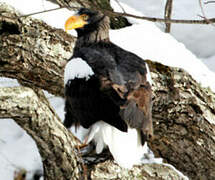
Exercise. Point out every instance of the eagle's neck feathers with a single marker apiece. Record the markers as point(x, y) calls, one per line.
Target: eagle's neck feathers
point(100, 33)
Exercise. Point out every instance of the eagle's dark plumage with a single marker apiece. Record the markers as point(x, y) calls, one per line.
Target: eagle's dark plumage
point(106, 87)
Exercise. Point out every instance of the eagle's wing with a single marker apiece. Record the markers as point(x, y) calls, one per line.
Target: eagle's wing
point(124, 77)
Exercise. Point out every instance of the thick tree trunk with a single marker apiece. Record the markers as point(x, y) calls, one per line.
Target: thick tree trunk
point(183, 111)
point(184, 122)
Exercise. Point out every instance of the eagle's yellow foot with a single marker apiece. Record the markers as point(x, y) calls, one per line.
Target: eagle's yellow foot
point(81, 146)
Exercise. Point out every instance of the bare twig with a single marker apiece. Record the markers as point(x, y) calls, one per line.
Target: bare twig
point(115, 14)
point(81, 3)
point(153, 19)
point(204, 15)
point(94, 4)
point(45, 11)
point(120, 6)
point(208, 2)
point(167, 14)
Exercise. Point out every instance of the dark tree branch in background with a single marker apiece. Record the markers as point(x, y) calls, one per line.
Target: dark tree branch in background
point(167, 14)
point(44, 11)
point(112, 14)
point(109, 12)
point(208, 2)
point(203, 13)
point(120, 5)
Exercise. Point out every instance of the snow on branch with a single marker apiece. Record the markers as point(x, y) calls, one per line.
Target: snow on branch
point(208, 2)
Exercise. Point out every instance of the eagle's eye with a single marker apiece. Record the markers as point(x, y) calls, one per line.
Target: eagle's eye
point(85, 17)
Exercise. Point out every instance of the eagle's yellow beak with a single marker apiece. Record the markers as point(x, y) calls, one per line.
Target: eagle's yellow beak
point(75, 22)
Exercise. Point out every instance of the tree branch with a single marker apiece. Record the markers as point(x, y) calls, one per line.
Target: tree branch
point(184, 122)
point(153, 19)
point(55, 143)
point(203, 13)
point(34, 53)
point(167, 14)
point(208, 2)
point(110, 13)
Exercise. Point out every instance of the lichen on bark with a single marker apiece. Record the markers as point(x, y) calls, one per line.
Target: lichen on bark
point(184, 121)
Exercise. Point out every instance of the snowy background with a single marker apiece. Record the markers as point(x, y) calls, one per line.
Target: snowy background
point(190, 47)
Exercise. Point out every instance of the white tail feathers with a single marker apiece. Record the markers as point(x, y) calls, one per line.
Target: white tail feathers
point(125, 147)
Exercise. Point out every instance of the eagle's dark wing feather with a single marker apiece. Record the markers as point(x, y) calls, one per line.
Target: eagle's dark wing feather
point(122, 79)
point(86, 104)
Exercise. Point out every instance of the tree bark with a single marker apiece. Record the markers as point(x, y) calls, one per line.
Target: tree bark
point(183, 111)
point(55, 143)
point(184, 122)
point(33, 52)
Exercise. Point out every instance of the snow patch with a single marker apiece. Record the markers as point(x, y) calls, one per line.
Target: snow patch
point(77, 68)
point(149, 42)
point(210, 62)
point(53, 18)
point(148, 75)
point(177, 171)
point(8, 82)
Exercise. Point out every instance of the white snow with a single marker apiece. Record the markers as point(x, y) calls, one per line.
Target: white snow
point(17, 149)
point(210, 62)
point(53, 18)
point(7, 82)
point(151, 43)
point(197, 38)
point(148, 75)
point(77, 68)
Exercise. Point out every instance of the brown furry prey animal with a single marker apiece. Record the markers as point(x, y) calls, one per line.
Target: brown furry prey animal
point(107, 90)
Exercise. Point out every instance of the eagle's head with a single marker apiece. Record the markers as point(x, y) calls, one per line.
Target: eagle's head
point(87, 21)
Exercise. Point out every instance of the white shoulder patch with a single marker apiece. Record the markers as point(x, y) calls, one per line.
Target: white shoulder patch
point(77, 68)
point(148, 75)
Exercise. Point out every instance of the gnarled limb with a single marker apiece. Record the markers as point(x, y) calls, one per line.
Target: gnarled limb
point(55, 143)
point(33, 52)
point(184, 122)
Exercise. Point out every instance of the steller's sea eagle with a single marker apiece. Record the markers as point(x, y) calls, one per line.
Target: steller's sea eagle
point(107, 90)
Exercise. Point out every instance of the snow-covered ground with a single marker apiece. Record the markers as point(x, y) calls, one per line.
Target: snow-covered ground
point(17, 149)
